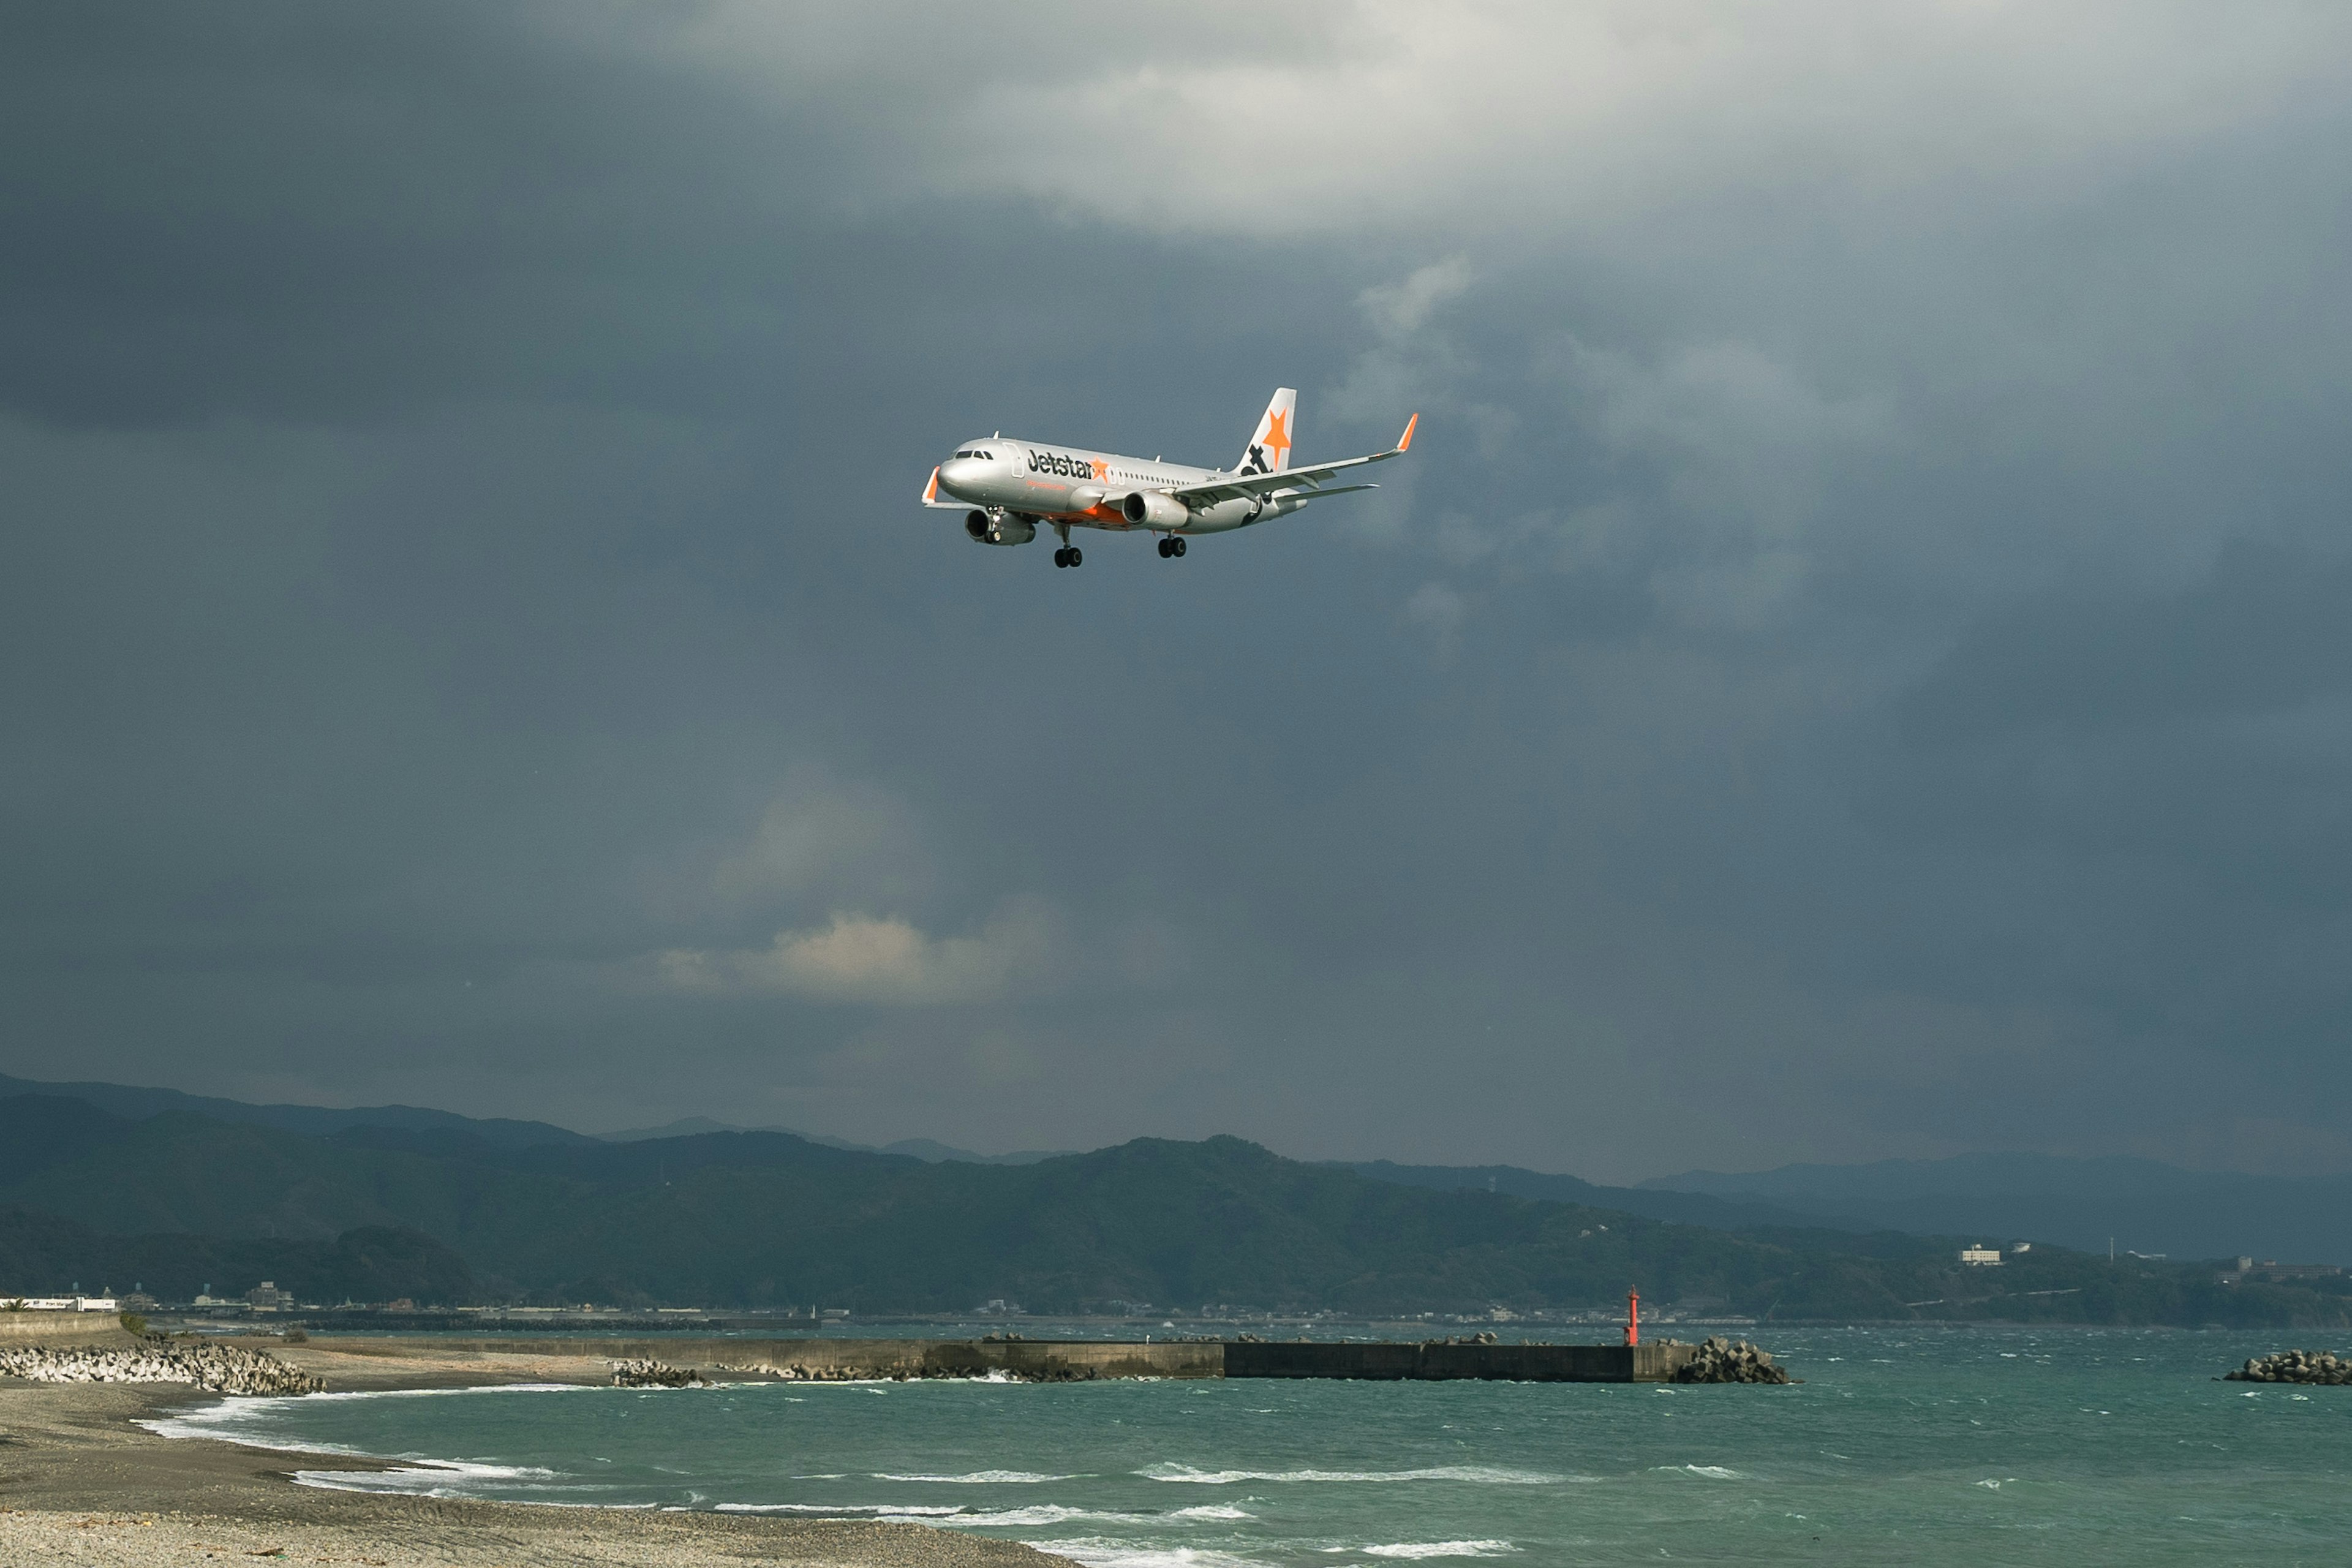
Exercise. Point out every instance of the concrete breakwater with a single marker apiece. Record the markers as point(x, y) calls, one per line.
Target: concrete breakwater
point(1729, 1360)
point(60, 1327)
point(1439, 1362)
point(222, 1369)
point(2296, 1366)
point(841, 1361)
point(1081, 1361)
point(654, 1374)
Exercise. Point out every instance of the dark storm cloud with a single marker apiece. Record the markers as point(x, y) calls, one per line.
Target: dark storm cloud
point(1856, 627)
point(2184, 754)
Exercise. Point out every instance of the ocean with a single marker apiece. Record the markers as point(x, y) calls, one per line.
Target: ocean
point(1922, 1446)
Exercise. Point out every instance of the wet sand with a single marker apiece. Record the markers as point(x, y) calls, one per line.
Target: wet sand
point(80, 1483)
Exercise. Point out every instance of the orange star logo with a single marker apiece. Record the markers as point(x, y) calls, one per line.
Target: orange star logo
point(1277, 439)
point(1102, 470)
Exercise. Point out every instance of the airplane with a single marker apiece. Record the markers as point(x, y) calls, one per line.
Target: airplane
point(1007, 487)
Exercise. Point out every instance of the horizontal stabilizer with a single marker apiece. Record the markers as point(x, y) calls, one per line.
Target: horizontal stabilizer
point(1306, 481)
point(931, 496)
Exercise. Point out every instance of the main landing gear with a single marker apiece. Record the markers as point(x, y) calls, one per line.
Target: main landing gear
point(1069, 556)
point(1170, 544)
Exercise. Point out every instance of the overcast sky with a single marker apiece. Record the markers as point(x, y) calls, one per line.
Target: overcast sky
point(1856, 663)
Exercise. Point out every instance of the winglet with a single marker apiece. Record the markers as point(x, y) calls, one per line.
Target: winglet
point(1404, 442)
point(932, 490)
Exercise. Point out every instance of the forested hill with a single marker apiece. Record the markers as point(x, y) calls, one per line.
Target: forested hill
point(136, 1102)
point(756, 1219)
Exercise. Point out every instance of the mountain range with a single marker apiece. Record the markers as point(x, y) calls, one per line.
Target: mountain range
point(2142, 1206)
point(525, 1212)
point(926, 1149)
point(124, 1100)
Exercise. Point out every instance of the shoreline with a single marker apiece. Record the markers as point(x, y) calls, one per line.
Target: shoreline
point(81, 1481)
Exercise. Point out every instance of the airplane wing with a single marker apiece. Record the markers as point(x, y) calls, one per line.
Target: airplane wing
point(1332, 491)
point(931, 496)
point(1308, 480)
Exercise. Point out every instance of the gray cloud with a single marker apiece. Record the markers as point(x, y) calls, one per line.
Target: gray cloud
point(1849, 667)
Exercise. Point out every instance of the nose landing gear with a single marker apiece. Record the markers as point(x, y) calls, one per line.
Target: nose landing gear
point(1170, 545)
point(1069, 556)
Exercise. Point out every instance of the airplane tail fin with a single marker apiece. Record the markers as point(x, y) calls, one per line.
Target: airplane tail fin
point(1269, 448)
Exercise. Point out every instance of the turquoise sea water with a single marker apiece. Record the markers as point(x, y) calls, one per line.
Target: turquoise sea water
point(1902, 1446)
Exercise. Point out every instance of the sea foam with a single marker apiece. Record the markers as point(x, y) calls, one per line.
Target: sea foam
point(1097, 1552)
point(1440, 1548)
point(459, 1478)
point(979, 1479)
point(1477, 1475)
point(896, 1510)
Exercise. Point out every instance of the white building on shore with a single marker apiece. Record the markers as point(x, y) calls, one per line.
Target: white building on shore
point(59, 1304)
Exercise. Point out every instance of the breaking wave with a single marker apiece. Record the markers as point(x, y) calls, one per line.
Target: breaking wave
point(1477, 1475)
point(1095, 1552)
point(1440, 1548)
point(979, 1479)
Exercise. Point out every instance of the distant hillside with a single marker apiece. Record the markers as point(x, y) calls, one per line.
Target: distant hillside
point(914, 1148)
point(766, 1219)
point(2144, 1206)
point(933, 1150)
point(1683, 1208)
point(123, 1099)
point(41, 1255)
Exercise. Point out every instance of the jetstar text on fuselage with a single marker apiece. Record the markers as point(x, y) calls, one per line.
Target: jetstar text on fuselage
point(1055, 463)
point(1007, 490)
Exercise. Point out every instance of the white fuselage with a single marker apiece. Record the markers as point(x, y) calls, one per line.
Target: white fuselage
point(1069, 487)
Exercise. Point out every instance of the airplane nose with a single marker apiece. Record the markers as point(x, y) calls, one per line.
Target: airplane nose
point(961, 473)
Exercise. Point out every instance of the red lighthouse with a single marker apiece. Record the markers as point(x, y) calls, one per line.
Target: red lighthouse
point(1632, 1317)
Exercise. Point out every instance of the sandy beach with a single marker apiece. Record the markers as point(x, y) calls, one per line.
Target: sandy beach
point(81, 1482)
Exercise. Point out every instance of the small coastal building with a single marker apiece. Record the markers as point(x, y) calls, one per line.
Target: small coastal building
point(62, 1303)
point(1981, 1256)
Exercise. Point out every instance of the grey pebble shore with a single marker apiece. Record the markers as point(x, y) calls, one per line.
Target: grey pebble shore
point(81, 1482)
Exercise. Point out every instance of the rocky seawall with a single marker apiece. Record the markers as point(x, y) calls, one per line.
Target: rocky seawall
point(221, 1369)
point(647, 1372)
point(2296, 1366)
point(682, 1360)
point(1728, 1361)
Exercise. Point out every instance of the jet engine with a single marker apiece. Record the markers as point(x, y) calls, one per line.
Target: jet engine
point(998, 528)
point(1151, 509)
